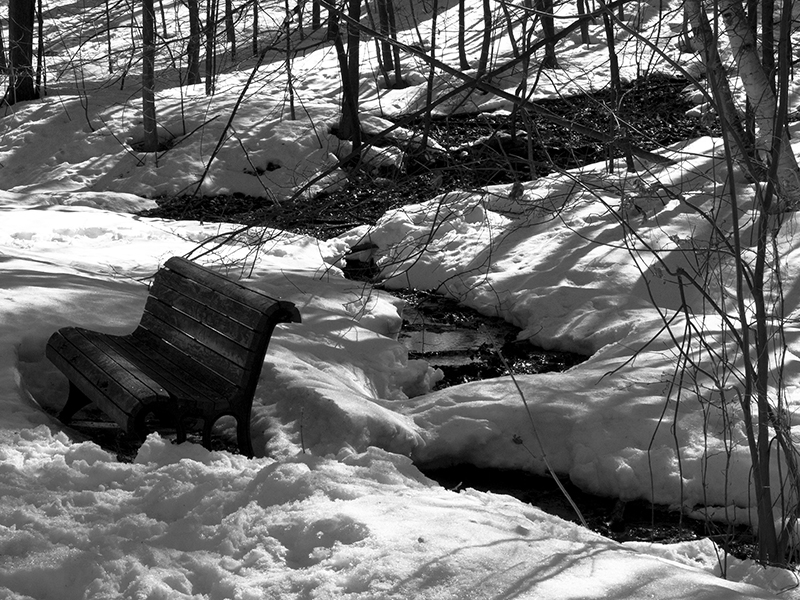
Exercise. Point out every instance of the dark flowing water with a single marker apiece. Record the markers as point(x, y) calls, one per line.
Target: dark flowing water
point(468, 346)
point(620, 521)
point(465, 345)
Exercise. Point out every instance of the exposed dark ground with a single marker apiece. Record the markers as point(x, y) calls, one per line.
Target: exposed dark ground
point(482, 149)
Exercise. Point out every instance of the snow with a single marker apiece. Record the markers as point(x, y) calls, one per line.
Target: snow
point(334, 504)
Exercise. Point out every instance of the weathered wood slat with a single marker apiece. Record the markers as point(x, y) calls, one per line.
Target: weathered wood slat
point(86, 383)
point(207, 311)
point(246, 295)
point(177, 381)
point(101, 377)
point(205, 292)
point(184, 364)
point(194, 339)
point(113, 369)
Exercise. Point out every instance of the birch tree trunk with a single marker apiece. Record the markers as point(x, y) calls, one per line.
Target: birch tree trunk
point(3, 63)
point(703, 41)
point(762, 98)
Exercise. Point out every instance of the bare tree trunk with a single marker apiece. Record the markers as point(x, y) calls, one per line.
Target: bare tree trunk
point(380, 45)
point(486, 44)
point(108, 37)
point(300, 10)
point(211, 42)
point(289, 82)
point(768, 38)
point(350, 127)
point(704, 42)
point(193, 47)
point(462, 35)
point(761, 96)
point(3, 62)
point(20, 42)
point(431, 75)
point(316, 16)
point(548, 27)
point(163, 19)
point(255, 27)
point(617, 125)
point(230, 31)
point(398, 71)
point(148, 76)
point(383, 28)
point(40, 72)
point(333, 26)
point(584, 23)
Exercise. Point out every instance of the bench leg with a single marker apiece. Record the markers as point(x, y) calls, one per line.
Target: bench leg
point(75, 401)
point(243, 435)
point(180, 430)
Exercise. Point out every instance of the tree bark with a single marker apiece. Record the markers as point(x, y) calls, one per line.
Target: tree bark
point(255, 28)
point(193, 47)
point(148, 76)
point(41, 75)
point(549, 30)
point(316, 16)
point(704, 42)
point(762, 98)
point(383, 27)
point(584, 23)
point(486, 43)
point(768, 38)
point(616, 90)
point(3, 61)
point(20, 42)
point(350, 126)
point(211, 43)
point(230, 31)
point(398, 69)
point(462, 35)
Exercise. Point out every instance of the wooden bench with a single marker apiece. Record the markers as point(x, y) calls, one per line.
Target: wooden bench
point(196, 355)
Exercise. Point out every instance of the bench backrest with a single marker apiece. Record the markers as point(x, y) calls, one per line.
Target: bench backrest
point(211, 327)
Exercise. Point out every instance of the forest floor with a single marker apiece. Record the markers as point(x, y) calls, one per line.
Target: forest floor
point(483, 149)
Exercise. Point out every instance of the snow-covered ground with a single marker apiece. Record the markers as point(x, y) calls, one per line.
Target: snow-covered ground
point(333, 505)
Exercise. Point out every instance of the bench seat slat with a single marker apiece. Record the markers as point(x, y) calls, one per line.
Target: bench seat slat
point(185, 364)
point(179, 383)
point(106, 379)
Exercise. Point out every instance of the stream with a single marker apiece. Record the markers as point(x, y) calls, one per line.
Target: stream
point(465, 345)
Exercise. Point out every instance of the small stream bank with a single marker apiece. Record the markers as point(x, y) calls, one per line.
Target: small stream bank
point(465, 345)
point(637, 521)
point(468, 346)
